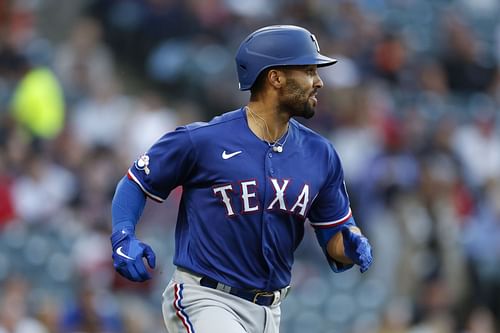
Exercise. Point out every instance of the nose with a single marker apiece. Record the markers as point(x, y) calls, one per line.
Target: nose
point(318, 83)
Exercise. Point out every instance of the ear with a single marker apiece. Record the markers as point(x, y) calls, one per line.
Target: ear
point(276, 78)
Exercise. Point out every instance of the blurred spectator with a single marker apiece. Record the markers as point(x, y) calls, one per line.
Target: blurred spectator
point(480, 237)
point(468, 67)
point(481, 320)
point(83, 61)
point(98, 173)
point(100, 119)
point(43, 190)
point(356, 137)
point(394, 169)
point(390, 58)
point(396, 318)
point(147, 123)
point(433, 79)
point(91, 312)
point(37, 102)
point(48, 312)
point(14, 313)
point(90, 264)
point(7, 209)
point(435, 309)
point(478, 145)
point(19, 22)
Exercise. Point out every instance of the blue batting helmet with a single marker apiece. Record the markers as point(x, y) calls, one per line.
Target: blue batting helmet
point(277, 45)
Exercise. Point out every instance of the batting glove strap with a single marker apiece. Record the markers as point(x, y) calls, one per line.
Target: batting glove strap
point(118, 236)
point(128, 252)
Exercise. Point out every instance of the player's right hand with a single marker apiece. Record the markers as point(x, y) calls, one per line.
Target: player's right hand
point(128, 254)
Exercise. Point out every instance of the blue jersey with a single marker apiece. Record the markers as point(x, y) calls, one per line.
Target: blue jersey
point(244, 207)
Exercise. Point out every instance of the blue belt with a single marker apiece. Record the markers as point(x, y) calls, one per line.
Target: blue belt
point(265, 298)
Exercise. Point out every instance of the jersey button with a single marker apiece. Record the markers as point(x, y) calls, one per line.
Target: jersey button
point(271, 171)
point(270, 155)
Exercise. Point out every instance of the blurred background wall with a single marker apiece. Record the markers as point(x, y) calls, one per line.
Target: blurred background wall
point(412, 107)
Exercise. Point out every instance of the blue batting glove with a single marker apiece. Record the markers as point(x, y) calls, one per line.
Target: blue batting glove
point(357, 248)
point(128, 252)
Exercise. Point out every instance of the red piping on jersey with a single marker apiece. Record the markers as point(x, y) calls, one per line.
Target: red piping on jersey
point(135, 180)
point(334, 223)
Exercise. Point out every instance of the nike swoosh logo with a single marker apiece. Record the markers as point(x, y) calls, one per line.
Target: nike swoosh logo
point(226, 155)
point(121, 254)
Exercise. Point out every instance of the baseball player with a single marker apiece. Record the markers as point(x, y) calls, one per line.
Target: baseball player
point(252, 179)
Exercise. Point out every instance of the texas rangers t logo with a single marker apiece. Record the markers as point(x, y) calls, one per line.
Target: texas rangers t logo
point(315, 42)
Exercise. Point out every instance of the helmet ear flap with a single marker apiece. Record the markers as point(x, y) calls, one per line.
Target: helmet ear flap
point(242, 73)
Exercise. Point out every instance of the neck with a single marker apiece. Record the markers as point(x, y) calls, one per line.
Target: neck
point(266, 122)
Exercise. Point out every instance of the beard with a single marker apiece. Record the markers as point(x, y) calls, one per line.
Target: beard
point(296, 101)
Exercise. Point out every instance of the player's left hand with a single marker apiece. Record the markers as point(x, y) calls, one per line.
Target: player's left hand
point(128, 254)
point(357, 248)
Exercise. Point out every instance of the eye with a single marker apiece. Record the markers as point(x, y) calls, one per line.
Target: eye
point(311, 71)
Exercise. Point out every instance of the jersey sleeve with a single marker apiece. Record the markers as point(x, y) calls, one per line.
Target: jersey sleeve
point(331, 209)
point(166, 165)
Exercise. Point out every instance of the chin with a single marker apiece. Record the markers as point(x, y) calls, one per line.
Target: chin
point(304, 109)
point(309, 110)
point(309, 114)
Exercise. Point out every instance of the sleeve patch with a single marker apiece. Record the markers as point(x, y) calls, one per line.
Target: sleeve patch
point(142, 164)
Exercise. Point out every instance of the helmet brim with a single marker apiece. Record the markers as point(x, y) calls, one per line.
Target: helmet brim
point(319, 60)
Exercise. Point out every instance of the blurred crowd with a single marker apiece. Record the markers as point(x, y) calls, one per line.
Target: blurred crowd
point(412, 107)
